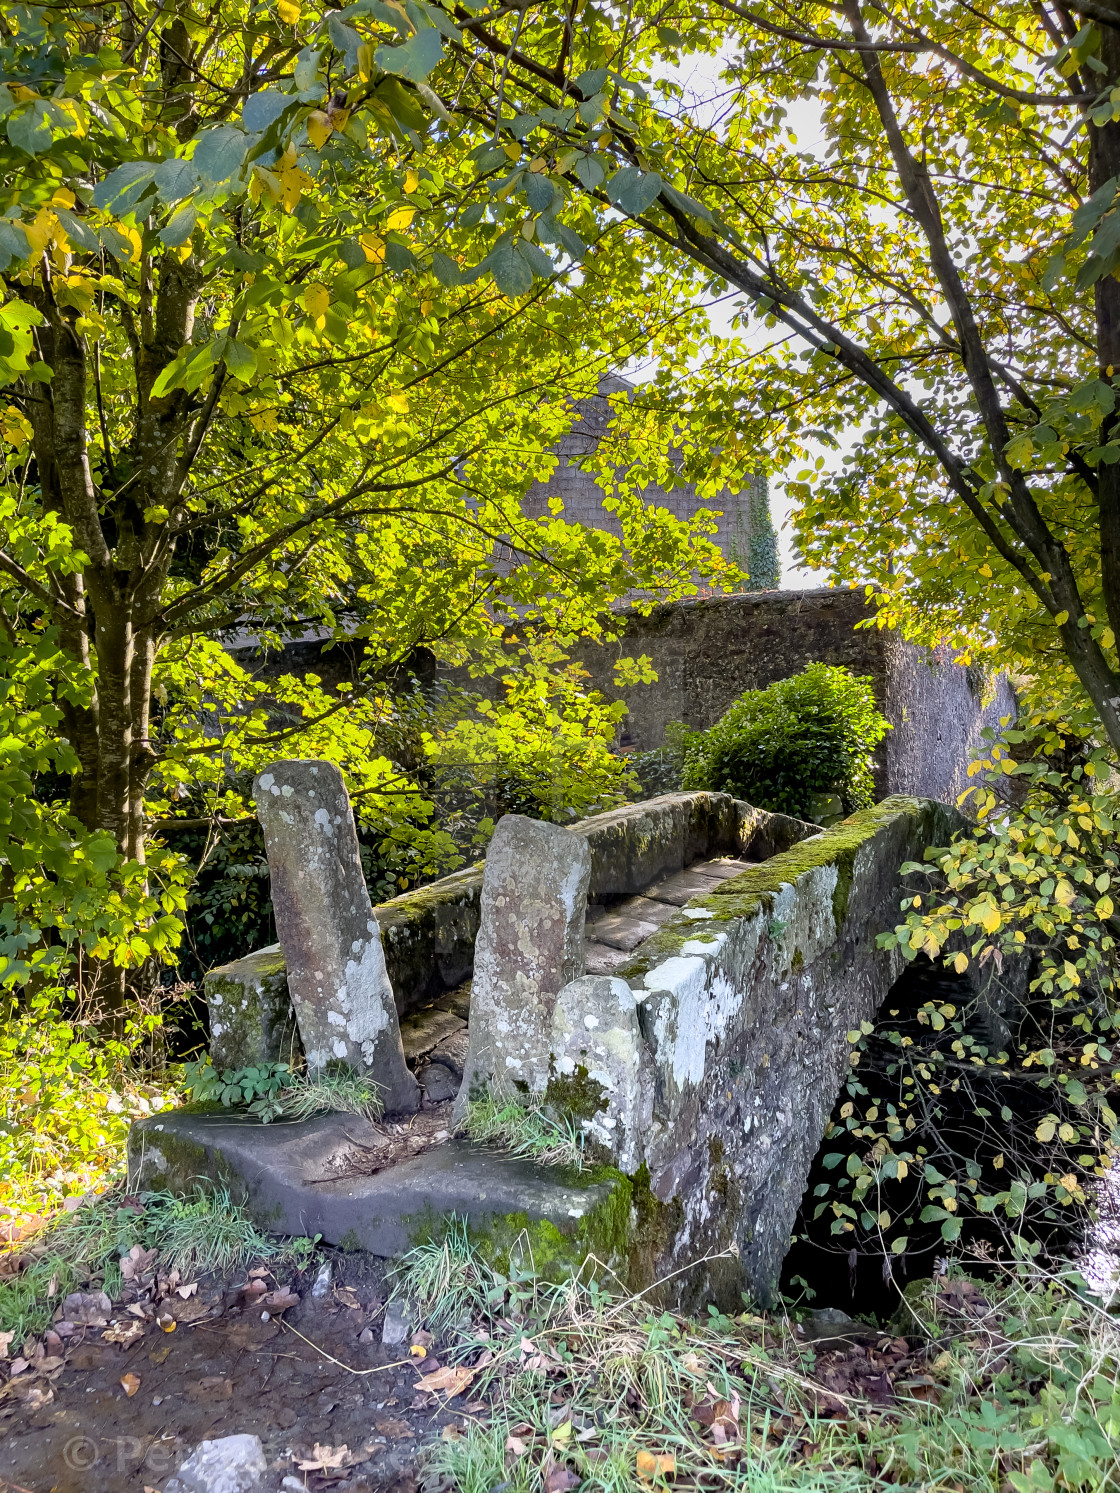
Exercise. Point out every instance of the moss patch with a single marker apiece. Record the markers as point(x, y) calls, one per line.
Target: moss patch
point(577, 1094)
point(753, 892)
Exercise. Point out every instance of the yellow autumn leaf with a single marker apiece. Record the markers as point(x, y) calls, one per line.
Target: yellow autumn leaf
point(1108, 638)
point(294, 182)
point(41, 230)
point(1104, 907)
point(1067, 1133)
point(62, 198)
point(989, 918)
point(411, 182)
point(288, 11)
point(903, 1170)
point(1045, 1131)
point(372, 247)
point(316, 300)
point(651, 1465)
point(318, 128)
point(960, 963)
point(1060, 619)
point(1064, 893)
point(998, 1161)
point(399, 403)
point(400, 217)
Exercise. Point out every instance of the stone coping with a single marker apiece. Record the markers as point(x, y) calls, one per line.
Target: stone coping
point(429, 934)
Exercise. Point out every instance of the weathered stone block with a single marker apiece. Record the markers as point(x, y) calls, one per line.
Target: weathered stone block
point(331, 940)
point(298, 1179)
point(602, 1070)
point(251, 1016)
point(530, 944)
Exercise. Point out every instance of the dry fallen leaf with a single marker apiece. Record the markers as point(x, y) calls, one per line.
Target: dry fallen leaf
point(515, 1445)
point(185, 1291)
point(450, 1381)
point(259, 1271)
point(651, 1465)
point(560, 1480)
point(123, 1333)
point(5, 1342)
point(280, 1301)
point(130, 1384)
point(325, 1458)
point(451, 1433)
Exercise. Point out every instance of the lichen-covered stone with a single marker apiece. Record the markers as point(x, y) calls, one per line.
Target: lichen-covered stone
point(530, 944)
point(251, 1016)
point(332, 943)
point(597, 1043)
point(745, 1000)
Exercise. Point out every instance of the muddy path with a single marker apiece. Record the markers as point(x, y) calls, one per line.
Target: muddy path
point(121, 1417)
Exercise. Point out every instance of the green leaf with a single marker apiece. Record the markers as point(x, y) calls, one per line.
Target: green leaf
point(539, 191)
point(30, 129)
point(123, 188)
point(77, 232)
point(264, 108)
point(241, 361)
point(219, 152)
point(446, 271)
point(179, 229)
point(511, 272)
point(588, 171)
point(14, 247)
point(176, 179)
point(632, 191)
point(537, 259)
point(414, 58)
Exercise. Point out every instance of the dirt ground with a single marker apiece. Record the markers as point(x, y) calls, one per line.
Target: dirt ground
point(221, 1370)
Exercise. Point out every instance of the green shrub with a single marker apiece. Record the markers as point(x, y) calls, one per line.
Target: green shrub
point(790, 747)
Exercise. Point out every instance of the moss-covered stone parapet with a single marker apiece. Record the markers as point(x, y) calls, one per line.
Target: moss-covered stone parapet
point(429, 934)
point(744, 1000)
point(251, 1017)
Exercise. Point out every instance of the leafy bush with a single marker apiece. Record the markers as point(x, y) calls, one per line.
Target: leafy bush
point(790, 747)
point(990, 1112)
point(68, 1094)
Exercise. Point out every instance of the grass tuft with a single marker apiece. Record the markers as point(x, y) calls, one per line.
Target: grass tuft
point(527, 1130)
point(338, 1090)
point(447, 1281)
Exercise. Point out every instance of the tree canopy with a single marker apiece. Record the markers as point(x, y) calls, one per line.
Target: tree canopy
point(243, 394)
point(920, 206)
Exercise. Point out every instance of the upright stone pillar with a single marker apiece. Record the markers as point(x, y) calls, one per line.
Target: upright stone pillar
point(529, 945)
point(331, 940)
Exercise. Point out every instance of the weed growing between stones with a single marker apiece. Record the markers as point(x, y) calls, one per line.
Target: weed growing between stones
point(84, 1249)
point(526, 1129)
point(333, 1089)
point(1012, 1385)
point(273, 1091)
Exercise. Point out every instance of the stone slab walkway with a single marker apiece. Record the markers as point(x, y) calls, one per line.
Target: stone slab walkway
point(613, 933)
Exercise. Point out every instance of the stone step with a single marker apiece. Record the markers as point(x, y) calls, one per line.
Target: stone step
point(283, 1175)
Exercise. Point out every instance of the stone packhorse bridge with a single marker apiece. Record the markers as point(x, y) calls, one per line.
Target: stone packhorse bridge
point(677, 978)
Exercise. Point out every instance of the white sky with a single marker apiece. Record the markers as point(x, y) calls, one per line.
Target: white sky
point(699, 78)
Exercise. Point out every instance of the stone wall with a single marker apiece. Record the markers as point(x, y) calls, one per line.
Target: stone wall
point(707, 652)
